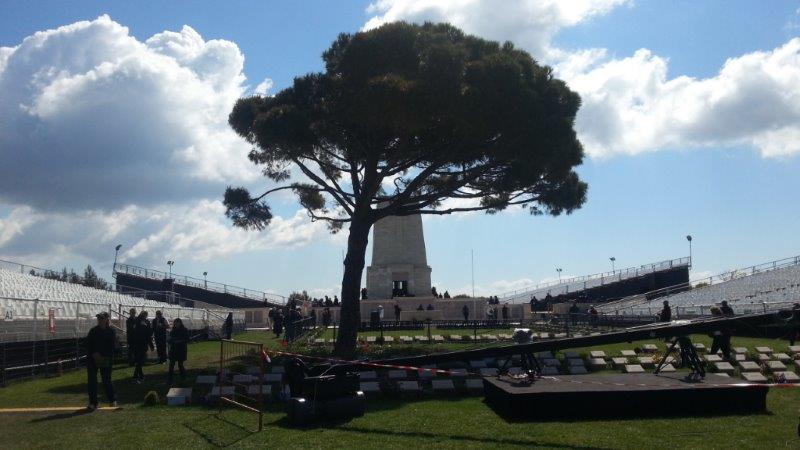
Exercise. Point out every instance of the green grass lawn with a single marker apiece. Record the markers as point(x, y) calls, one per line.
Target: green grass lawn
point(390, 423)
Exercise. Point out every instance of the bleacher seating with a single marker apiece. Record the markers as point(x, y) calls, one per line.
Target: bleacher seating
point(566, 286)
point(746, 290)
point(30, 299)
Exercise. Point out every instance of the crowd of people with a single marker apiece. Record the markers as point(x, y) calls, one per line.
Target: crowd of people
point(325, 302)
point(170, 341)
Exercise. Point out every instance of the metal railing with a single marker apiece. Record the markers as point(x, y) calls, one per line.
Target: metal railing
point(583, 282)
point(700, 283)
point(199, 283)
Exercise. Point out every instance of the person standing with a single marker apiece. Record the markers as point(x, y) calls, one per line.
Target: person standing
point(794, 324)
point(100, 356)
point(160, 327)
point(142, 341)
point(178, 348)
point(574, 311)
point(397, 310)
point(504, 311)
point(130, 323)
point(228, 329)
point(666, 313)
point(465, 312)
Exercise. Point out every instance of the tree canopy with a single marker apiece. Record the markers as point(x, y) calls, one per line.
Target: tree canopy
point(412, 119)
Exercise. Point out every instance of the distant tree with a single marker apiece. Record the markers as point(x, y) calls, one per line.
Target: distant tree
point(89, 276)
point(411, 119)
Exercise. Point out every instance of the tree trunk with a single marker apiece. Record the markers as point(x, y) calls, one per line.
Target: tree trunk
point(350, 314)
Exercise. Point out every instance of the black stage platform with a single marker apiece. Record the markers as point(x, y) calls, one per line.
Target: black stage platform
point(623, 395)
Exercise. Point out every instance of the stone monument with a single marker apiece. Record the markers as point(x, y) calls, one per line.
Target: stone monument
point(399, 263)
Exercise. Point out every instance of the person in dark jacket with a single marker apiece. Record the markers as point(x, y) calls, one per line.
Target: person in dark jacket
point(160, 327)
point(277, 324)
point(129, 324)
point(228, 329)
point(142, 341)
point(465, 312)
point(100, 356)
point(326, 317)
point(178, 348)
point(504, 311)
point(721, 339)
point(666, 313)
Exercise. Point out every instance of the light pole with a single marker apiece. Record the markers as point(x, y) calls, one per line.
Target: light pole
point(205, 281)
point(116, 253)
point(613, 270)
point(559, 274)
point(170, 263)
point(689, 238)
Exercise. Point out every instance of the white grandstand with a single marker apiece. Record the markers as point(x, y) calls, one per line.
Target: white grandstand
point(28, 301)
point(769, 286)
point(566, 286)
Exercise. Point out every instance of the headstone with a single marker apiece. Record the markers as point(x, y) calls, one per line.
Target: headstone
point(455, 337)
point(577, 370)
point(551, 362)
point(724, 366)
point(445, 386)
point(544, 355)
point(549, 371)
point(572, 355)
point(628, 353)
point(740, 350)
point(597, 354)
point(409, 387)
point(179, 396)
point(785, 377)
point(646, 361)
point(368, 375)
point(560, 335)
point(782, 357)
point(266, 389)
point(766, 350)
point(619, 361)
point(739, 357)
point(421, 338)
point(388, 339)
point(490, 337)
point(272, 378)
point(319, 341)
point(597, 363)
point(371, 339)
point(634, 368)
point(397, 374)
point(713, 358)
point(370, 387)
point(227, 391)
point(474, 385)
point(776, 366)
point(794, 349)
point(649, 348)
point(721, 374)
point(700, 347)
point(763, 357)
point(505, 337)
point(406, 339)
point(242, 379)
point(427, 374)
point(754, 377)
point(749, 366)
point(437, 338)
point(572, 362)
point(206, 379)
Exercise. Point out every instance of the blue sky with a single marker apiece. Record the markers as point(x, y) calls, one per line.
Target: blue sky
point(655, 179)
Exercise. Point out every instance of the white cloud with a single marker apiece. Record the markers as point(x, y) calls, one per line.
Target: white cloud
point(95, 118)
point(630, 104)
point(263, 87)
point(528, 23)
point(197, 231)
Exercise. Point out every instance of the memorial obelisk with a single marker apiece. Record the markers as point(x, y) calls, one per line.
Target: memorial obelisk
point(399, 264)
